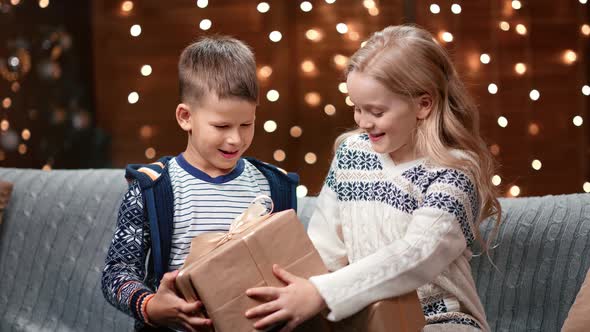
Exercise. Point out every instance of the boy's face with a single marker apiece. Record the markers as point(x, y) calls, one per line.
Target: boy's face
point(220, 131)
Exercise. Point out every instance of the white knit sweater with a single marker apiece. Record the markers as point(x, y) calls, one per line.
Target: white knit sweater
point(387, 229)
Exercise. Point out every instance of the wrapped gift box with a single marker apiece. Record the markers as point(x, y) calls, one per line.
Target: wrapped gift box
point(244, 260)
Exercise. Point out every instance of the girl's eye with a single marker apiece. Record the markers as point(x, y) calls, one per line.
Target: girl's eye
point(378, 115)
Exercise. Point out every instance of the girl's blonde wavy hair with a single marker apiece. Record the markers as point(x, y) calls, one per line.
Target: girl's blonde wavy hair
point(409, 62)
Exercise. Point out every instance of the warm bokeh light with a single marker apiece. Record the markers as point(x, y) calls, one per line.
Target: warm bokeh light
point(270, 126)
point(314, 35)
point(279, 155)
point(496, 180)
point(340, 60)
point(133, 97)
point(521, 29)
point(342, 87)
point(306, 6)
point(205, 24)
point(202, 3)
point(456, 8)
point(504, 26)
point(310, 158)
point(585, 29)
point(150, 153)
point(146, 132)
point(272, 95)
point(6, 102)
point(446, 36)
point(485, 58)
point(265, 72)
point(25, 134)
point(373, 11)
point(514, 191)
point(348, 101)
point(586, 90)
point(502, 122)
point(296, 131)
point(534, 129)
point(569, 57)
point(492, 88)
point(586, 187)
point(495, 149)
point(135, 30)
point(42, 4)
point(275, 36)
point(329, 109)
point(127, 6)
point(536, 164)
point(535, 95)
point(263, 7)
point(308, 66)
point(313, 98)
point(578, 121)
point(342, 28)
point(4, 125)
point(146, 70)
point(301, 191)
point(434, 8)
point(516, 4)
point(22, 148)
point(520, 68)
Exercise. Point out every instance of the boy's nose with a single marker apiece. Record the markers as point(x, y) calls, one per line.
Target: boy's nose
point(234, 139)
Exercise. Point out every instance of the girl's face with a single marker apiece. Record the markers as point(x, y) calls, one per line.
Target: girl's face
point(389, 119)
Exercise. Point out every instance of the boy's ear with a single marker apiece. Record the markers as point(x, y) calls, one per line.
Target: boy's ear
point(183, 116)
point(424, 106)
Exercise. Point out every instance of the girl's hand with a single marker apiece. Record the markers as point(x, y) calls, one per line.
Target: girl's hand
point(295, 303)
point(166, 308)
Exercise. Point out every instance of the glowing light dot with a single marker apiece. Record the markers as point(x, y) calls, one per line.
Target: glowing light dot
point(310, 158)
point(578, 121)
point(447, 36)
point(146, 132)
point(306, 6)
point(373, 11)
point(25, 134)
point(585, 29)
point(495, 149)
point(263, 7)
point(340, 60)
point(270, 126)
point(586, 90)
point(434, 8)
point(329, 2)
point(569, 57)
point(127, 6)
point(514, 191)
point(150, 153)
point(202, 3)
point(363, 44)
point(135, 30)
point(348, 101)
point(133, 97)
point(504, 26)
point(485, 58)
point(516, 4)
point(14, 2)
point(342, 87)
point(296, 131)
point(496, 180)
point(502, 122)
point(46, 168)
point(534, 129)
point(492, 88)
point(520, 68)
point(583, 2)
point(329, 109)
point(342, 28)
point(22, 148)
point(536, 164)
point(534, 94)
point(353, 35)
point(521, 29)
point(369, 4)
point(275, 36)
point(313, 98)
point(43, 4)
point(307, 66)
point(279, 155)
point(4, 125)
point(205, 24)
point(456, 8)
point(265, 71)
point(272, 95)
point(586, 187)
point(146, 70)
point(6, 102)
point(301, 191)
point(313, 35)
point(15, 87)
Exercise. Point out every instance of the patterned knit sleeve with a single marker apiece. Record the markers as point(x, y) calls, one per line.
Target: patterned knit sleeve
point(436, 236)
point(325, 230)
point(124, 272)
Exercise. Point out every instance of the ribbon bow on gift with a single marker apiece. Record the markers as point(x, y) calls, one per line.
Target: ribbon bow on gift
point(258, 210)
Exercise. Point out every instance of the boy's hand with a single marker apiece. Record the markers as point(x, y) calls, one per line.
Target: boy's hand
point(166, 308)
point(295, 303)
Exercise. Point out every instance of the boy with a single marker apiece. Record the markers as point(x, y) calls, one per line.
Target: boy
point(201, 190)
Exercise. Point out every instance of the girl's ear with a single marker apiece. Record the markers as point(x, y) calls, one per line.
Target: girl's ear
point(183, 116)
point(424, 106)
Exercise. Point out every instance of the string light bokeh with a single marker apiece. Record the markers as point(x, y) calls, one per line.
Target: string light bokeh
point(532, 93)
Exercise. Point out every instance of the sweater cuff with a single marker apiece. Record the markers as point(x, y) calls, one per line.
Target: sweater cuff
point(136, 302)
point(338, 309)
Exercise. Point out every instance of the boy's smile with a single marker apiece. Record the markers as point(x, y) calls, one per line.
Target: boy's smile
point(219, 132)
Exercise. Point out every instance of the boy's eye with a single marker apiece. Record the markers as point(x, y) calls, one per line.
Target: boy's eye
point(246, 125)
point(221, 126)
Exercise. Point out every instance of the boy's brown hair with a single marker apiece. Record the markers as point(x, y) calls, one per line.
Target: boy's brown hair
point(217, 64)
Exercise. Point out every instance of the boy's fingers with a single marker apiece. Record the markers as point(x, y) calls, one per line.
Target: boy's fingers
point(263, 309)
point(263, 293)
point(276, 317)
point(189, 308)
point(283, 275)
point(197, 322)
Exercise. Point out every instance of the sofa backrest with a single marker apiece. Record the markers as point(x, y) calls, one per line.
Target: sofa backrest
point(58, 226)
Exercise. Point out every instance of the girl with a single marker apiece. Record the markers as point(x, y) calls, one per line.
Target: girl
point(404, 196)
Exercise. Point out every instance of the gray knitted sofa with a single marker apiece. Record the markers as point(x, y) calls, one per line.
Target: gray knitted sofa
point(58, 225)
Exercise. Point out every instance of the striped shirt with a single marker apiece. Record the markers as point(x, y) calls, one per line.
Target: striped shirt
point(204, 204)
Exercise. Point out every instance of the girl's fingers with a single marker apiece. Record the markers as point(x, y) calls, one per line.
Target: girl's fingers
point(263, 309)
point(276, 317)
point(283, 275)
point(198, 321)
point(168, 279)
point(263, 293)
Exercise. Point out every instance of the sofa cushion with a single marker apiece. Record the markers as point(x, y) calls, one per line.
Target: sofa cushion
point(578, 318)
point(5, 192)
